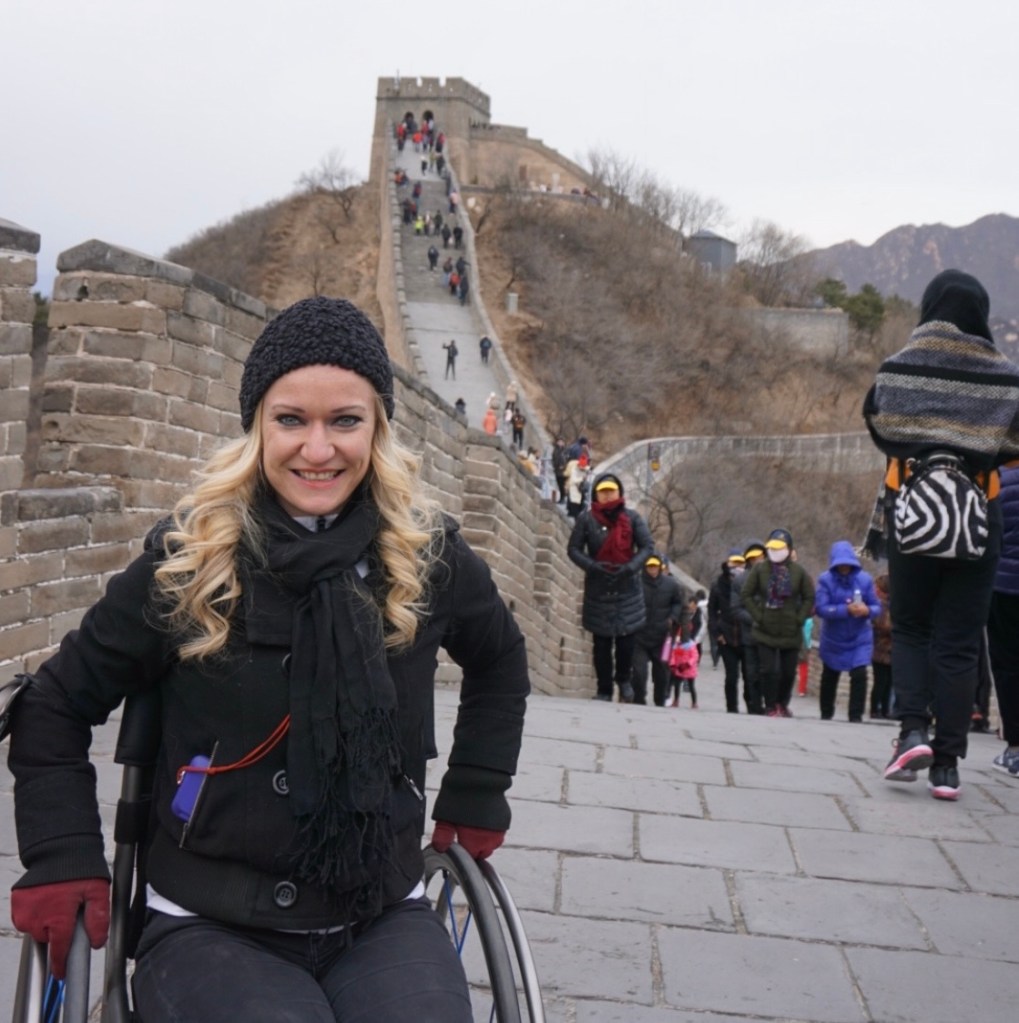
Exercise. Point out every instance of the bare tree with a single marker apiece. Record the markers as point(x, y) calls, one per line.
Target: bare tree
point(312, 268)
point(693, 212)
point(334, 180)
point(771, 262)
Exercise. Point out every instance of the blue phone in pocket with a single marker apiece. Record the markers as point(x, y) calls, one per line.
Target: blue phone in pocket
point(189, 789)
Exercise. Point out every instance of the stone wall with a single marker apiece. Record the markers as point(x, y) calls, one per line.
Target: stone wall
point(501, 155)
point(824, 332)
point(18, 250)
point(140, 386)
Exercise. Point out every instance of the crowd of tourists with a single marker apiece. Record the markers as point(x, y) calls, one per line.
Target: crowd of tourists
point(945, 412)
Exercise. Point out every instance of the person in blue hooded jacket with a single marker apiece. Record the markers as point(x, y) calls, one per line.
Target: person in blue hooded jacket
point(846, 602)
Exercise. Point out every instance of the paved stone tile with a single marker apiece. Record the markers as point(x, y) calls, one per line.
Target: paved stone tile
point(1004, 791)
point(830, 911)
point(531, 876)
point(591, 958)
point(769, 977)
point(1002, 828)
point(725, 844)
point(891, 811)
point(793, 779)
point(881, 859)
point(608, 729)
point(988, 868)
point(538, 781)
point(695, 747)
point(797, 756)
point(658, 764)
point(654, 795)
point(917, 987)
point(654, 892)
point(964, 924)
point(582, 756)
point(804, 809)
point(607, 1012)
point(587, 829)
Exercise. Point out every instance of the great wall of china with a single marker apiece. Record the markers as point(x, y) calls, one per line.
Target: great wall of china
point(140, 384)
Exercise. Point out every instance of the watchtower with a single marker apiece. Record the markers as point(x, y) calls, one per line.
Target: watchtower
point(454, 103)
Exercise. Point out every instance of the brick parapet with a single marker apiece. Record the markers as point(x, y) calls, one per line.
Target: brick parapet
point(142, 374)
point(19, 248)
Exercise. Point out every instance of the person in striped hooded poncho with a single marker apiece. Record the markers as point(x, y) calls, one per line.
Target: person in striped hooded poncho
point(950, 389)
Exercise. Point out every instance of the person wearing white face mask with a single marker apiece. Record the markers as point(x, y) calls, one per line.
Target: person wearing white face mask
point(779, 596)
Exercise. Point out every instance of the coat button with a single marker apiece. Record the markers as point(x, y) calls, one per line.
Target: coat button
point(285, 894)
point(285, 665)
point(279, 784)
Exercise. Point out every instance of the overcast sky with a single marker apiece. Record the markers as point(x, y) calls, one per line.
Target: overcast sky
point(142, 122)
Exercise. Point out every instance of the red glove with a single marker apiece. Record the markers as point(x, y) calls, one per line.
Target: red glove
point(48, 912)
point(479, 842)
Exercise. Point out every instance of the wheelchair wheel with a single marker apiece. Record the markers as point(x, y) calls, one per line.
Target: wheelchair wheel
point(462, 892)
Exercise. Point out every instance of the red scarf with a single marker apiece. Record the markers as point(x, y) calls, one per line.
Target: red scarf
point(617, 547)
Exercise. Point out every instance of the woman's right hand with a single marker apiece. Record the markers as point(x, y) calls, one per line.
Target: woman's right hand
point(49, 912)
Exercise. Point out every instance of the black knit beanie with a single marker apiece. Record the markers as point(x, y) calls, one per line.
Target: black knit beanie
point(959, 298)
point(315, 332)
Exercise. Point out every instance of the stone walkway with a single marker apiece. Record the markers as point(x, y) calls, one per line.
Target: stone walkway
point(437, 316)
point(679, 866)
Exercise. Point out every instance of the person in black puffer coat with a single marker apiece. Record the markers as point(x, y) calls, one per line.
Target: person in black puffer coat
point(665, 607)
point(723, 624)
point(611, 543)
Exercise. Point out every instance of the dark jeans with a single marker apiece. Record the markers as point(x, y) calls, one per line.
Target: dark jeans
point(752, 693)
point(402, 968)
point(778, 675)
point(732, 660)
point(939, 608)
point(643, 655)
point(604, 669)
point(881, 689)
point(857, 691)
point(1003, 641)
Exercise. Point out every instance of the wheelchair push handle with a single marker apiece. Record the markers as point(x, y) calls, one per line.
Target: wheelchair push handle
point(39, 998)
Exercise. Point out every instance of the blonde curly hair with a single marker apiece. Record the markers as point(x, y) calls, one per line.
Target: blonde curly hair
point(199, 579)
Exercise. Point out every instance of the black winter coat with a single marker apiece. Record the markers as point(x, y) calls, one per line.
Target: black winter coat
point(725, 610)
point(234, 859)
point(664, 601)
point(613, 601)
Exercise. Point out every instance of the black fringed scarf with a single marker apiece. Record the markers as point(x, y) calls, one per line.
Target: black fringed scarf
point(343, 750)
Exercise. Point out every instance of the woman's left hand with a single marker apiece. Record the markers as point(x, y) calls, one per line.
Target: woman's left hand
point(479, 842)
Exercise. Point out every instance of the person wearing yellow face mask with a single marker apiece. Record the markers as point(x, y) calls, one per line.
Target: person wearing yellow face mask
point(779, 596)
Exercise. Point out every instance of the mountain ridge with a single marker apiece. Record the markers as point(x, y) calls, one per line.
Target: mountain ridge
point(902, 262)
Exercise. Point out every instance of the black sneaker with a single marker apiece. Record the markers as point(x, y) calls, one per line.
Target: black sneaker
point(626, 693)
point(943, 781)
point(910, 753)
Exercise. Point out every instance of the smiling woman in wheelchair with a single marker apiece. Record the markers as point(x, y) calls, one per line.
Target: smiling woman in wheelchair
point(289, 614)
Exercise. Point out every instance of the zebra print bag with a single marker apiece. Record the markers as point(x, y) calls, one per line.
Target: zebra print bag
point(940, 510)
